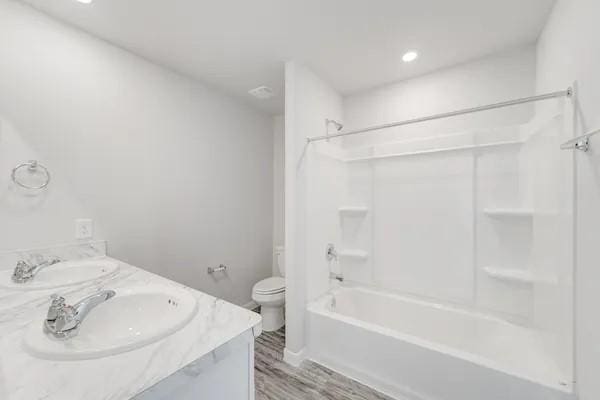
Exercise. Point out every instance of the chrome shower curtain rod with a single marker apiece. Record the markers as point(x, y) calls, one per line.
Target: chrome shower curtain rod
point(562, 93)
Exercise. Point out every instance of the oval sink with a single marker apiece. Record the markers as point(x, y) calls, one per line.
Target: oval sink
point(67, 273)
point(133, 318)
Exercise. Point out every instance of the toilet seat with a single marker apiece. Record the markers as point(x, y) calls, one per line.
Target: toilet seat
point(268, 286)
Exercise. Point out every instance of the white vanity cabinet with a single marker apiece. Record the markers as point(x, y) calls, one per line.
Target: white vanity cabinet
point(227, 373)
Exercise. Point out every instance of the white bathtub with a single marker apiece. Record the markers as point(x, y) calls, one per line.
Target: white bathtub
point(413, 349)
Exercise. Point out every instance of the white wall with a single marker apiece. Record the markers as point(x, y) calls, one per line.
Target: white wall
point(568, 51)
point(492, 79)
point(278, 186)
point(176, 176)
point(309, 101)
point(31, 220)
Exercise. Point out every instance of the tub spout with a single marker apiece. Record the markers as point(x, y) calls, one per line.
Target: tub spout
point(337, 277)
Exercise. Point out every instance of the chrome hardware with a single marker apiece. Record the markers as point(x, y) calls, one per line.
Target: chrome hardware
point(25, 272)
point(581, 143)
point(338, 125)
point(58, 303)
point(330, 252)
point(32, 166)
point(220, 268)
point(63, 321)
point(562, 93)
point(337, 277)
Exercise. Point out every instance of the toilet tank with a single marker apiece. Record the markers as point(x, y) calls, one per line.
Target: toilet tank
point(280, 257)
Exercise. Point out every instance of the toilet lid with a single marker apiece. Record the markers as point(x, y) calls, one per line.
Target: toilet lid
point(270, 286)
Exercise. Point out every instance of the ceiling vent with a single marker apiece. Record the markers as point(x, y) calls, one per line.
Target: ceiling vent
point(262, 92)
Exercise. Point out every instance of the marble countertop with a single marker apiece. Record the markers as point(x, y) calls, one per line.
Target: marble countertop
point(118, 377)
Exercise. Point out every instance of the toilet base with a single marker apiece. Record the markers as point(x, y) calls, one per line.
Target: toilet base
point(272, 318)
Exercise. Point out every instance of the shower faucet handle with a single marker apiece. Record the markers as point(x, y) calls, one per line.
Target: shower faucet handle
point(331, 252)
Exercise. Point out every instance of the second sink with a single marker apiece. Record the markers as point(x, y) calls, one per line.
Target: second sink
point(63, 274)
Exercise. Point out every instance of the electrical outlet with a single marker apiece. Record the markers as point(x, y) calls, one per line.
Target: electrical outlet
point(84, 228)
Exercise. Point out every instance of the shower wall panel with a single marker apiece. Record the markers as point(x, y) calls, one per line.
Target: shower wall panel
point(423, 225)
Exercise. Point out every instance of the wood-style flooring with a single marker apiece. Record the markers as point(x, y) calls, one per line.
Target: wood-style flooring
point(276, 380)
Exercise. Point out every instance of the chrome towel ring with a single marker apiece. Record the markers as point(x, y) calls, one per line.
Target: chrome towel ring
point(32, 166)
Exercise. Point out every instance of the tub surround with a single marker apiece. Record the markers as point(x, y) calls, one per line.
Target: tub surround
point(218, 330)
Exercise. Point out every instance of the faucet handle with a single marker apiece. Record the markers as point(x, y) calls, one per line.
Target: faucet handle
point(57, 300)
point(22, 265)
point(22, 272)
point(66, 319)
point(330, 252)
point(54, 260)
point(57, 304)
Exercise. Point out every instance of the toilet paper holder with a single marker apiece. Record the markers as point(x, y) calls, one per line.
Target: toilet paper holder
point(220, 268)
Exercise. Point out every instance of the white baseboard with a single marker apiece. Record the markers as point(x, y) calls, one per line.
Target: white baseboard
point(251, 305)
point(294, 359)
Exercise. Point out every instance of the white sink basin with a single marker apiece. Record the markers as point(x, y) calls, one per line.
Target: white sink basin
point(66, 273)
point(133, 318)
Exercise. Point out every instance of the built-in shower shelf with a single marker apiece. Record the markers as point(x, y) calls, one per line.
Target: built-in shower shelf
point(519, 276)
point(509, 212)
point(510, 275)
point(353, 254)
point(351, 211)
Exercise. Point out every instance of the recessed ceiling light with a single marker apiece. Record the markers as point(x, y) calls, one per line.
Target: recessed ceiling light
point(85, 1)
point(410, 56)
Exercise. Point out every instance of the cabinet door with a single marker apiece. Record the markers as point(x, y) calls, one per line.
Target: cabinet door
point(225, 373)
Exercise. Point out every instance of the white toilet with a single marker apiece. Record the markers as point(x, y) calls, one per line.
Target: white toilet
point(269, 294)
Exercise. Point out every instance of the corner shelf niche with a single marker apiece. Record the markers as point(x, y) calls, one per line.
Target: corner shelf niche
point(511, 275)
point(498, 212)
point(353, 211)
point(518, 276)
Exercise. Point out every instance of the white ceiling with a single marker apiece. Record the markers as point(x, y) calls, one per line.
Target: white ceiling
point(236, 45)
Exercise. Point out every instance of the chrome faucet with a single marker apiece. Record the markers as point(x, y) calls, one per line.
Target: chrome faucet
point(63, 321)
point(25, 272)
point(331, 254)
